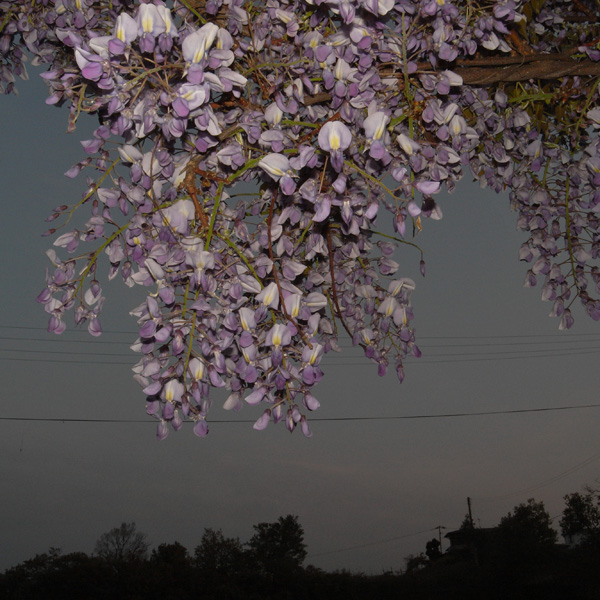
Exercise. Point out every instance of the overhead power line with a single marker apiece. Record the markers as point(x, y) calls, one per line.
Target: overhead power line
point(60, 340)
point(500, 358)
point(360, 362)
point(94, 341)
point(546, 482)
point(512, 350)
point(462, 414)
point(333, 357)
point(72, 362)
point(377, 543)
point(74, 330)
point(326, 419)
point(562, 336)
point(589, 350)
point(61, 352)
point(537, 343)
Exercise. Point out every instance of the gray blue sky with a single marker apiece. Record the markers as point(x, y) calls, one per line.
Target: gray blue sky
point(368, 492)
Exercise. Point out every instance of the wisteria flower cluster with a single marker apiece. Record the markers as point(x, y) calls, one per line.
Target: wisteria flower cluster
point(248, 153)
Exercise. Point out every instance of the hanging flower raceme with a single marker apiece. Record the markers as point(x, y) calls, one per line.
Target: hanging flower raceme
point(251, 163)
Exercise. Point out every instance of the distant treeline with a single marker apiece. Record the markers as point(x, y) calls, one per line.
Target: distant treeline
point(170, 573)
point(519, 559)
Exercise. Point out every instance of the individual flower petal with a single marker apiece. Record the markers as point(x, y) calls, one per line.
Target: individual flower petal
point(594, 115)
point(292, 305)
point(311, 402)
point(428, 187)
point(408, 144)
point(316, 300)
point(233, 402)
point(269, 296)
point(173, 391)
point(150, 20)
point(305, 428)
point(334, 135)
point(165, 14)
point(405, 284)
point(162, 431)
point(198, 43)
point(279, 335)
point(194, 96)
point(454, 79)
point(256, 396)
point(201, 428)
point(126, 29)
point(273, 114)
point(247, 318)
point(196, 367)
point(276, 165)
point(263, 420)
point(130, 154)
point(89, 63)
point(375, 125)
point(312, 356)
point(388, 306)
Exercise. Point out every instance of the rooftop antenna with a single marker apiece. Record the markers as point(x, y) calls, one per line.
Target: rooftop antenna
point(470, 513)
point(439, 528)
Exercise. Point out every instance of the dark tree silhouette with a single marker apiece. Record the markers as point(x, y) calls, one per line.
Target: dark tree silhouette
point(581, 518)
point(526, 533)
point(53, 575)
point(168, 573)
point(415, 563)
point(221, 566)
point(433, 549)
point(122, 544)
point(217, 555)
point(170, 554)
point(278, 547)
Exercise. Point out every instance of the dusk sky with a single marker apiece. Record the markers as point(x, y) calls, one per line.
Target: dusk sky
point(387, 463)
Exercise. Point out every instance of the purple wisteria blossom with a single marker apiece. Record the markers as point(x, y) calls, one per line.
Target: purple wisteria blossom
point(375, 131)
point(278, 167)
point(335, 137)
point(240, 173)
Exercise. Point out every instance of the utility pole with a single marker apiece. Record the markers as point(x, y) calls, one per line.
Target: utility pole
point(473, 545)
point(439, 528)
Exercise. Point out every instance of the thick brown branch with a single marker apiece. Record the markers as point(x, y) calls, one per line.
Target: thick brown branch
point(497, 69)
point(189, 183)
point(513, 59)
point(317, 98)
point(548, 68)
